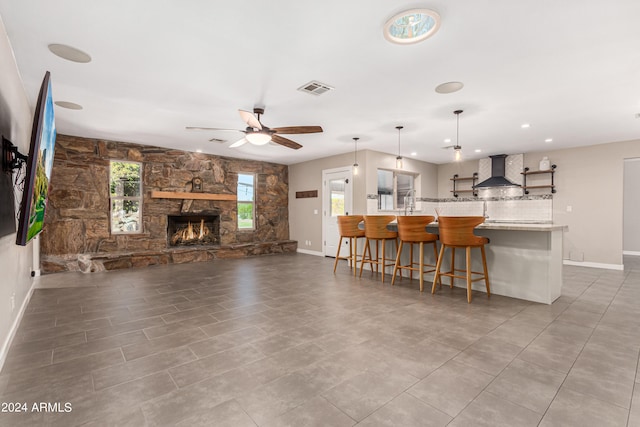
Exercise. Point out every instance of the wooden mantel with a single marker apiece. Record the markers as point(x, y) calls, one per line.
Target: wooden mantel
point(191, 196)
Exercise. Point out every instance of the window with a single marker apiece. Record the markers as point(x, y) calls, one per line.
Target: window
point(336, 189)
point(246, 201)
point(393, 187)
point(125, 185)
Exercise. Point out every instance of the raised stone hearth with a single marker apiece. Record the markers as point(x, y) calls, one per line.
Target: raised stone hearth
point(77, 234)
point(93, 262)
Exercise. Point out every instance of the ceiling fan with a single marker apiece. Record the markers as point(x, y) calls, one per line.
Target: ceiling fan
point(258, 134)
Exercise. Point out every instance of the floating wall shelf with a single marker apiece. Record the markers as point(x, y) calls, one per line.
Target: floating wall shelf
point(473, 179)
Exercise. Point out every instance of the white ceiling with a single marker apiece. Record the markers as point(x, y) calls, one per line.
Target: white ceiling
point(570, 68)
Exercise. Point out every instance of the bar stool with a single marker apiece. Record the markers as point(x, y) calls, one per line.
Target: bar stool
point(348, 228)
point(457, 232)
point(375, 228)
point(411, 230)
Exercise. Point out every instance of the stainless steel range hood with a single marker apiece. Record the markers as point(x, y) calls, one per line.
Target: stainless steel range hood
point(497, 174)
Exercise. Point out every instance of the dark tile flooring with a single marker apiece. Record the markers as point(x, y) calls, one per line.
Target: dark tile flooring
point(282, 341)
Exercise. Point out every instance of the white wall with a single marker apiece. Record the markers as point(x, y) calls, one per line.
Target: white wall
point(305, 225)
point(631, 213)
point(15, 261)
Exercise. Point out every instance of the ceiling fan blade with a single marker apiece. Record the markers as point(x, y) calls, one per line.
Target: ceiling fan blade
point(203, 128)
point(297, 129)
point(250, 119)
point(239, 143)
point(285, 142)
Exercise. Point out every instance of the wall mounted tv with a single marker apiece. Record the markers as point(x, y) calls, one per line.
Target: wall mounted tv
point(39, 166)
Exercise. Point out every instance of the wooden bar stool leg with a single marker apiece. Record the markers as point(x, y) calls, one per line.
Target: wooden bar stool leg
point(438, 265)
point(355, 256)
point(335, 264)
point(421, 264)
point(367, 249)
point(468, 274)
point(395, 268)
point(453, 266)
point(486, 273)
point(411, 262)
point(435, 253)
point(396, 242)
point(384, 244)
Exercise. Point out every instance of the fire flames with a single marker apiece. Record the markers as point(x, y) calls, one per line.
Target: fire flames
point(192, 234)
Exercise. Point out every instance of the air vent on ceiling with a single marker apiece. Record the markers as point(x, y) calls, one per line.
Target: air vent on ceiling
point(315, 88)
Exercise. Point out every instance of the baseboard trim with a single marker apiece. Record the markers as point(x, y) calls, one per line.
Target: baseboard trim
point(594, 265)
point(632, 253)
point(308, 252)
point(14, 328)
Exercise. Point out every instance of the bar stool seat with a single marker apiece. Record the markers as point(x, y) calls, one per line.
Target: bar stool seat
point(375, 228)
point(411, 230)
point(457, 232)
point(348, 228)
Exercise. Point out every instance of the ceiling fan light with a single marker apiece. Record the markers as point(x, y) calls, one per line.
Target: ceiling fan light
point(258, 138)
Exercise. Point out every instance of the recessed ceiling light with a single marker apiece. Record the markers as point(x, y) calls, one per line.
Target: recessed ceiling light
point(477, 150)
point(69, 53)
point(525, 125)
point(198, 151)
point(69, 105)
point(411, 26)
point(548, 140)
point(447, 140)
point(449, 87)
point(414, 153)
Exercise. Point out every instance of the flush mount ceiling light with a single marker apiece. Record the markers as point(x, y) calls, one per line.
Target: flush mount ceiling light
point(69, 53)
point(68, 105)
point(411, 26)
point(449, 87)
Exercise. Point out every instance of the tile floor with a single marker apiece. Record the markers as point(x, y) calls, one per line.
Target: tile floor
point(282, 341)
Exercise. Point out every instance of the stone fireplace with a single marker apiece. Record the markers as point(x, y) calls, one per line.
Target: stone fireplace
point(77, 234)
point(193, 230)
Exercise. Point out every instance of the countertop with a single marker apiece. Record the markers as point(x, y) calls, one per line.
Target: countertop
point(499, 225)
point(515, 226)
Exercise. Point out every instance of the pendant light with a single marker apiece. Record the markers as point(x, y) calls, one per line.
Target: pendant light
point(457, 149)
point(399, 158)
point(355, 156)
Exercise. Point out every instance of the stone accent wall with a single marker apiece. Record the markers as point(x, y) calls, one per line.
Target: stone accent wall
point(77, 218)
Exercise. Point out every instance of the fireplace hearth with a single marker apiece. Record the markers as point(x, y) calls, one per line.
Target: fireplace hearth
point(193, 230)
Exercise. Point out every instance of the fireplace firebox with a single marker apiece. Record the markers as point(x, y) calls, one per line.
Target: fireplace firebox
point(193, 229)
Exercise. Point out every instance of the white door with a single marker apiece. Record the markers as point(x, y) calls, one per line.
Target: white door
point(336, 200)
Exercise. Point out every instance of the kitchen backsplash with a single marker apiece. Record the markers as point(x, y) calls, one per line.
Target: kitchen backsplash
point(535, 208)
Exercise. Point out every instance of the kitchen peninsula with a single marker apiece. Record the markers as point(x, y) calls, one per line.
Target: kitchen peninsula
point(524, 260)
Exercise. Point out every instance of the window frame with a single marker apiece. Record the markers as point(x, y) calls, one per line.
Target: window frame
point(139, 199)
point(396, 204)
point(252, 202)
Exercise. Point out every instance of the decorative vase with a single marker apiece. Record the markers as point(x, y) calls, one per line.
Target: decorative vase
point(545, 164)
